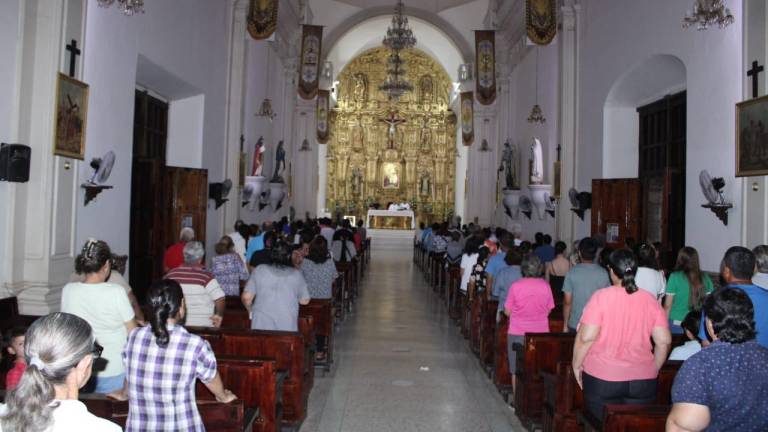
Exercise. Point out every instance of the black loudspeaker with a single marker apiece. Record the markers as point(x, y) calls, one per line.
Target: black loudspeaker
point(14, 162)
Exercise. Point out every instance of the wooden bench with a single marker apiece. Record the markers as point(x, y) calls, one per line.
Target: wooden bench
point(454, 280)
point(346, 269)
point(629, 418)
point(488, 312)
point(321, 311)
point(502, 378)
point(475, 307)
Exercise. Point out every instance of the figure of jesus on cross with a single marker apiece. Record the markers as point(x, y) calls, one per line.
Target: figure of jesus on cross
point(392, 120)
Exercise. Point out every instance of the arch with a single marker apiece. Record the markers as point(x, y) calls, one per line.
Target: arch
point(643, 83)
point(365, 29)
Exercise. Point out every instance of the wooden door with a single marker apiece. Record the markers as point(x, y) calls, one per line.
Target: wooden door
point(185, 202)
point(616, 210)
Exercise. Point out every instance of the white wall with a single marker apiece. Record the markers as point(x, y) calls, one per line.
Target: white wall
point(185, 133)
point(614, 36)
point(9, 46)
point(179, 49)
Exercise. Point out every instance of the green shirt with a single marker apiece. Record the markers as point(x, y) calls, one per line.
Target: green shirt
point(678, 287)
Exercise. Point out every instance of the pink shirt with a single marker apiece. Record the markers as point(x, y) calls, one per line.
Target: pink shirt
point(529, 301)
point(622, 351)
point(13, 376)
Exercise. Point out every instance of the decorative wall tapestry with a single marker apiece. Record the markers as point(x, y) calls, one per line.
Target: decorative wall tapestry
point(467, 119)
point(541, 20)
point(262, 18)
point(485, 62)
point(309, 69)
point(321, 116)
point(71, 115)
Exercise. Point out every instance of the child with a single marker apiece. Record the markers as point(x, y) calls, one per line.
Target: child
point(14, 345)
point(691, 327)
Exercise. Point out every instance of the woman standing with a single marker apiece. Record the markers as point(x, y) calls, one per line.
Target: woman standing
point(228, 268)
point(319, 270)
point(468, 260)
point(60, 350)
point(686, 288)
point(106, 308)
point(527, 305)
point(649, 277)
point(275, 291)
point(613, 359)
point(163, 362)
point(556, 269)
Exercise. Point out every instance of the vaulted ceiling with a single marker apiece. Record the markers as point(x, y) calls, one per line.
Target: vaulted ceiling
point(434, 6)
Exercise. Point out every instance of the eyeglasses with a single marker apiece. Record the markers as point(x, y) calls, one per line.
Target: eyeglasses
point(97, 350)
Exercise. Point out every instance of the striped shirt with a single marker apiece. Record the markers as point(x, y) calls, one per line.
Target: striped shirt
point(161, 381)
point(201, 290)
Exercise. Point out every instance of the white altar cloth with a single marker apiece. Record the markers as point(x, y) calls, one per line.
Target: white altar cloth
point(397, 213)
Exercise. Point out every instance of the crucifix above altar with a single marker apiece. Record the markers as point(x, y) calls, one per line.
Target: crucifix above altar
point(393, 121)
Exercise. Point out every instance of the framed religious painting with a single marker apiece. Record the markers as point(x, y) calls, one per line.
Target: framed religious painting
point(390, 175)
point(752, 137)
point(71, 116)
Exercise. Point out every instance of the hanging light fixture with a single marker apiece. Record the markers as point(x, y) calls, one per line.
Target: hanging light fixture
point(399, 37)
point(129, 7)
point(708, 12)
point(537, 115)
point(266, 105)
point(395, 84)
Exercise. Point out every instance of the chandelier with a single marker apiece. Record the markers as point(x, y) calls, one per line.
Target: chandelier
point(706, 13)
point(129, 7)
point(399, 37)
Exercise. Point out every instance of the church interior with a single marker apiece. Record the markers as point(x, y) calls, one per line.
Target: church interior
point(424, 124)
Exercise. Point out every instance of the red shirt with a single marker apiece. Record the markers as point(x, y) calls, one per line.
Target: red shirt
point(14, 375)
point(174, 256)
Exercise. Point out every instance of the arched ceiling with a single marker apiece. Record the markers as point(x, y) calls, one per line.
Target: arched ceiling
point(430, 5)
point(648, 80)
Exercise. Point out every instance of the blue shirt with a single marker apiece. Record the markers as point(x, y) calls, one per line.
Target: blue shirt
point(732, 381)
point(501, 283)
point(759, 299)
point(496, 263)
point(546, 253)
point(254, 244)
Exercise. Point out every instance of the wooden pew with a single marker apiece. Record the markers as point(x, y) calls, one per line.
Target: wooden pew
point(476, 300)
point(347, 277)
point(454, 280)
point(629, 418)
point(321, 311)
point(502, 379)
point(488, 312)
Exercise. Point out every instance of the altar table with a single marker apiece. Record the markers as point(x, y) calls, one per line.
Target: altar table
point(391, 219)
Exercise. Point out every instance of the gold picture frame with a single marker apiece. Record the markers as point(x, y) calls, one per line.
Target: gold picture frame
point(71, 114)
point(752, 137)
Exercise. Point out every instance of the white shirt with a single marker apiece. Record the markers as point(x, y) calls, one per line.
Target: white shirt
point(72, 415)
point(327, 232)
point(686, 350)
point(761, 280)
point(467, 262)
point(651, 280)
point(239, 242)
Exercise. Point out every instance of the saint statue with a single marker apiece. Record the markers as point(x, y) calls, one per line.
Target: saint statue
point(357, 136)
point(426, 90)
point(359, 89)
point(258, 158)
point(279, 162)
point(424, 187)
point(426, 135)
point(509, 166)
point(537, 165)
point(356, 182)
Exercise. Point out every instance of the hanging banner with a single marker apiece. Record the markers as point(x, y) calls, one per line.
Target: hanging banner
point(321, 116)
point(262, 18)
point(467, 118)
point(309, 68)
point(485, 64)
point(541, 20)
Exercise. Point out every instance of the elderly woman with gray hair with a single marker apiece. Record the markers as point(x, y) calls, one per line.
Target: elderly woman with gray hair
point(529, 301)
point(202, 293)
point(174, 255)
point(761, 275)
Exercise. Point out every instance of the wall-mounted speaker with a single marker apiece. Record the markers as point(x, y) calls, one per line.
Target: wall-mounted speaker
point(14, 162)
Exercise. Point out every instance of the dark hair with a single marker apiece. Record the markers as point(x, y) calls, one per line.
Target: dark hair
point(538, 237)
point(691, 322)
point(507, 240)
point(560, 247)
point(688, 263)
point(306, 236)
point(740, 261)
point(224, 246)
point(318, 250)
point(93, 256)
point(525, 248)
point(732, 315)
point(269, 239)
point(605, 255)
point(513, 257)
point(588, 249)
point(624, 265)
point(244, 231)
point(472, 245)
point(482, 254)
point(280, 254)
point(164, 298)
point(455, 236)
point(646, 256)
point(547, 239)
point(7, 362)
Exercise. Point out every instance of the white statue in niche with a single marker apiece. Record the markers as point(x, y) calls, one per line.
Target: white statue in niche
point(537, 163)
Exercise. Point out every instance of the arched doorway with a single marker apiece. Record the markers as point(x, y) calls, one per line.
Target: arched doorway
point(371, 162)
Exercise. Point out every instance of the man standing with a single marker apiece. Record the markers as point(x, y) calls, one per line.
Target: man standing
point(580, 283)
point(545, 251)
point(497, 262)
point(239, 238)
point(202, 293)
point(174, 255)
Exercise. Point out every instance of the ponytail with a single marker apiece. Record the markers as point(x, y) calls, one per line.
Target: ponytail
point(93, 256)
point(165, 298)
point(624, 265)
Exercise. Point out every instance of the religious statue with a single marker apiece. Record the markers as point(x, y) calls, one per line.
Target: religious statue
point(426, 90)
point(537, 163)
point(258, 158)
point(357, 177)
point(279, 161)
point(426, 135)
point(424, 188)
point(359, 89)
point(509, 166)
point(392, 120)
point(357, 136)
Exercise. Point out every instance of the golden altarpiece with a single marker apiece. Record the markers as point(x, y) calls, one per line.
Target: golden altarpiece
point(382, 151)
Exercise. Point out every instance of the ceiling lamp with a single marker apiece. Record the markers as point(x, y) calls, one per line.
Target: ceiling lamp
point(399, 35)
point(395, 85)
point(706, 13)
point(129, 7)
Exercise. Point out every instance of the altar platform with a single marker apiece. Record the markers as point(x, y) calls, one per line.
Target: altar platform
point(391, 220)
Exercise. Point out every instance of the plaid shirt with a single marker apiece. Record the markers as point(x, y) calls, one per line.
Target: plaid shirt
point(161, 381)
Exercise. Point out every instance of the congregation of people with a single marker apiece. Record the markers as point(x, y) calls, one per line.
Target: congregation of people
point(623, 308)
point(102, 341)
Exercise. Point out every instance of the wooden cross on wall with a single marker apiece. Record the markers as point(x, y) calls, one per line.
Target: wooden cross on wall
point(74, 51)
point(753, 72)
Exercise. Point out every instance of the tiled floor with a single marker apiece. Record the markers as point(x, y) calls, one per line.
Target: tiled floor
point(401, 365)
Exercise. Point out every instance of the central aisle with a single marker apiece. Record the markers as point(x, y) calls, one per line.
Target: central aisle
point(401, 364)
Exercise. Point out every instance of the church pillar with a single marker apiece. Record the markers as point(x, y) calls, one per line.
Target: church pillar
point(481, 201)
point(568, 102)
point(305, 162)
point(504, 132)
point(44, 209)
